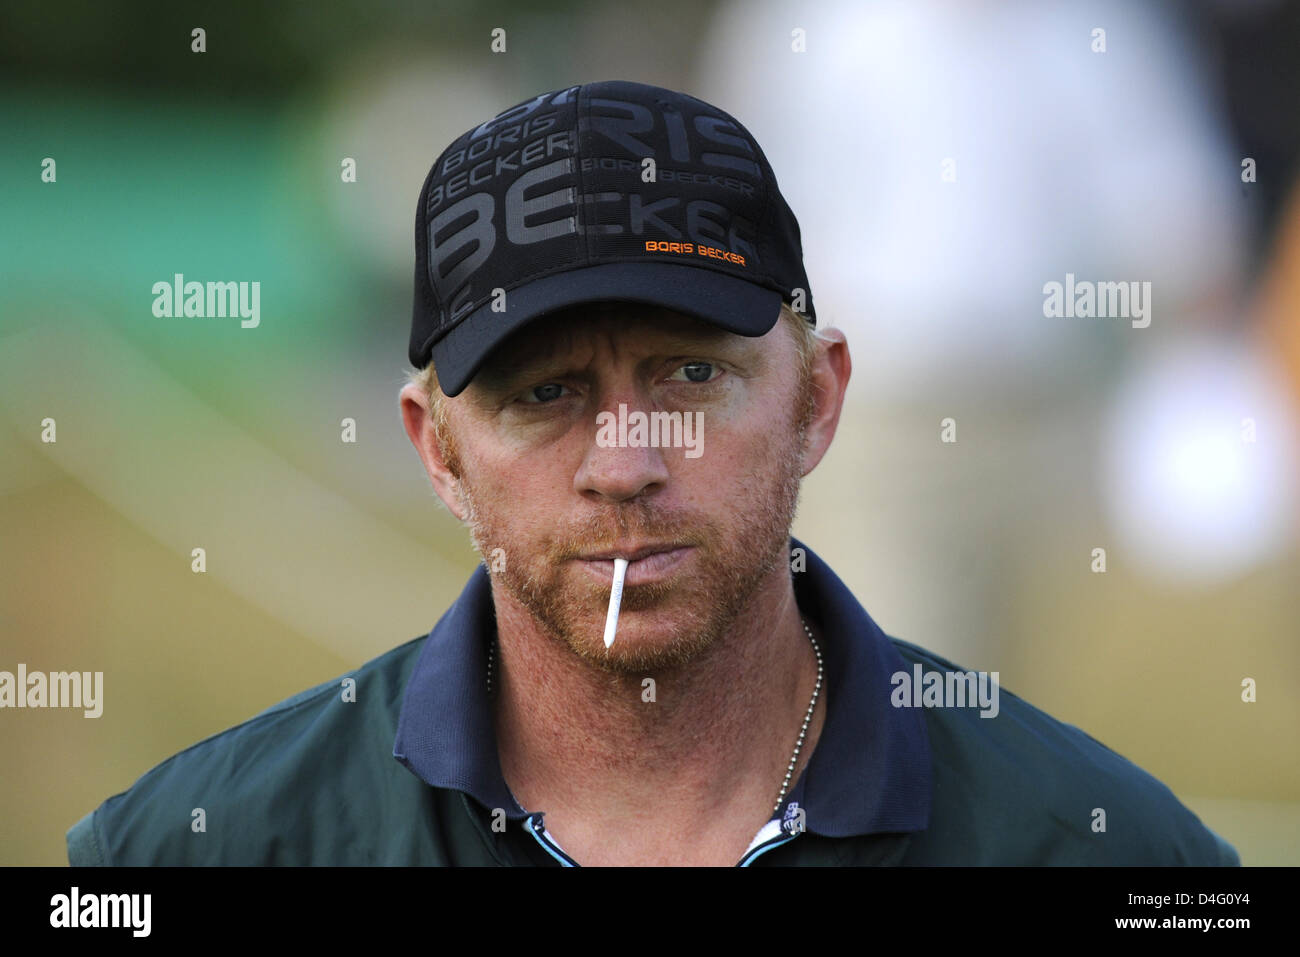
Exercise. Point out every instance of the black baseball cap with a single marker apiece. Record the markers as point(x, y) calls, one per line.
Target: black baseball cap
point(605, 191)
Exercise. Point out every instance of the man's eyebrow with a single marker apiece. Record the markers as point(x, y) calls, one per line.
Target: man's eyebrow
point(503, 373)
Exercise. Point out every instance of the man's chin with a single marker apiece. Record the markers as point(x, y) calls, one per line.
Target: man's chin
point(644, 643)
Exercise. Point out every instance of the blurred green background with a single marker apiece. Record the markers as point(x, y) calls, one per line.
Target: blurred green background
point(225, 165)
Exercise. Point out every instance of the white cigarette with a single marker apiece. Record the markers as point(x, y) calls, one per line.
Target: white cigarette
point(615, 599)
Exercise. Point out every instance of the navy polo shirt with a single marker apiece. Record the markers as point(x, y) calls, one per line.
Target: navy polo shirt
point(869, 774)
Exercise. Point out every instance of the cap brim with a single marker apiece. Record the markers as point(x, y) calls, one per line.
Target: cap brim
point(736, 305)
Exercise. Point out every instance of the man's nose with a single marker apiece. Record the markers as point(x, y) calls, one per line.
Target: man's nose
point(619, 463)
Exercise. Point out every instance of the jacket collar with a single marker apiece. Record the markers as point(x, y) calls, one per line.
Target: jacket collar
point(870, 773)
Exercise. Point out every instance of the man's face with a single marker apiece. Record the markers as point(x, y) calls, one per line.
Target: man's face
point(538, 480)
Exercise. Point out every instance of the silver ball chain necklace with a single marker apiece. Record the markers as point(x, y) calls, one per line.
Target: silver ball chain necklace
point(807, 719)
point(803, 731)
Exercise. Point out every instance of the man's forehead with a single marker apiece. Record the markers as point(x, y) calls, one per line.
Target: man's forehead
point(552, 336)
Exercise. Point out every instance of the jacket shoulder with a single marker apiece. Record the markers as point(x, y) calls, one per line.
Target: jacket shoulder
point(1020, 787)
point(277, 788)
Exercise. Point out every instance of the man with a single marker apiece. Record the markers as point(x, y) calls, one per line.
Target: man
point(620, 377)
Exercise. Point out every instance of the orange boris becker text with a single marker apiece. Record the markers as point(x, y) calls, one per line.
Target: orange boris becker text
point(691, 249)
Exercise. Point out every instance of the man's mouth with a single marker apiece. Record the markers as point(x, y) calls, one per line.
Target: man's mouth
point(646, 563)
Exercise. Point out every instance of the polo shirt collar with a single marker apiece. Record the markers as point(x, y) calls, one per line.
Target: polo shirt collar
point(869, 774)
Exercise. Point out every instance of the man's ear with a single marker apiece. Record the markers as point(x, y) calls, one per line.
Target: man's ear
point(418, 420)
point(830, 378)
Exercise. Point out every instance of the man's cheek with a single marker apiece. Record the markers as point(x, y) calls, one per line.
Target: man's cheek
point(507, 510)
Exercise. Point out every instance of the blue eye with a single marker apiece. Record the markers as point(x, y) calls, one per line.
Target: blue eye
point(544, 393)
point(698, 371)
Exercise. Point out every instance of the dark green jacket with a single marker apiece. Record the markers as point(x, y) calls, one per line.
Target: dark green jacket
point(407, 772)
